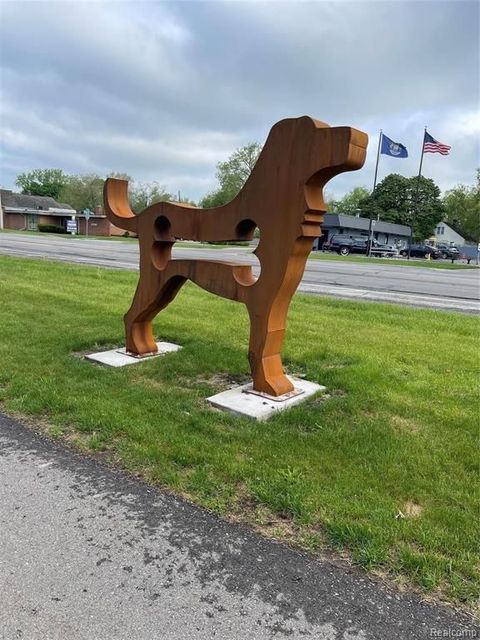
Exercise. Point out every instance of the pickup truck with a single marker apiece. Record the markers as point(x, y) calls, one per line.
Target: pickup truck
point(344, 245)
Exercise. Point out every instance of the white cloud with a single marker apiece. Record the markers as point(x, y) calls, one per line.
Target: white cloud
point(165, 90)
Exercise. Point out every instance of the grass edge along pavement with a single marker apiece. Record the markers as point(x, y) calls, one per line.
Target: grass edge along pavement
point(392, 262)
point(383, 468)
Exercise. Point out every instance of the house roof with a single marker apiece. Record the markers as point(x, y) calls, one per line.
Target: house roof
point(449, 226)
point(352, 222)
point(21, 201)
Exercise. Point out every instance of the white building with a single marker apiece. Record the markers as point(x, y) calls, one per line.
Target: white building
point(445, 234)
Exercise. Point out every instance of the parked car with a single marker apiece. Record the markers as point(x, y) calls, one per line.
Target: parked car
point(421, 251)
point(344, 245)
point(448, 251)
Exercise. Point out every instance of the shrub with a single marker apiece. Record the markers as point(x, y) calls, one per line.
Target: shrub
point(51, 228)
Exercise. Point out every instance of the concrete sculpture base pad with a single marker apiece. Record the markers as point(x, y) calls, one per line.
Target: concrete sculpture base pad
point(242, 401)
point(120, 358)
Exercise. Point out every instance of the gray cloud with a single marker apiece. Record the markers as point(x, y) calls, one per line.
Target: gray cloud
point(165, 90)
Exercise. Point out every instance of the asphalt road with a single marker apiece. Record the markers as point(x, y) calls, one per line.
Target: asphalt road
point(89, 554)
point(457, 290)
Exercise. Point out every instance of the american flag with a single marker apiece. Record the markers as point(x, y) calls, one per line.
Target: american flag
point(430, 145)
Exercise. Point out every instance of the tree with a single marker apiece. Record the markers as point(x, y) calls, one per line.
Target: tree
point(350, 203)
point(42, 182)
point(120, 175)
point(391, 200)
point(232, 175)
point(462, 207)
point(185, 200)
point(430, 209)
point(215, 199)
point(144, 194)
point(396, 200)
point(86, 191)
point(83, 191)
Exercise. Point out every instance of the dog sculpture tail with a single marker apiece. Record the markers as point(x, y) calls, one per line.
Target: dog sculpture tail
point(116, 205)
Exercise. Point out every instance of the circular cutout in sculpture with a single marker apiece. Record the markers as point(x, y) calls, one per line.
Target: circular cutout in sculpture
point(162, 229)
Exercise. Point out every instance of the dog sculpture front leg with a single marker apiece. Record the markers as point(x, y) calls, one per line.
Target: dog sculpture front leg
point(264, 353)
point(268, 321)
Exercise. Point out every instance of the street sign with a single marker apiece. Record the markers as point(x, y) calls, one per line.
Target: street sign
point(87, 213)
point(71, 226)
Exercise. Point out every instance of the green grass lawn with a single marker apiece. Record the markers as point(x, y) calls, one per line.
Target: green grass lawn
point(384, 468)
point(427, 264)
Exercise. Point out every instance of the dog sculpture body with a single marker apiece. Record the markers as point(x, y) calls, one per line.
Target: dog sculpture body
point(283, 198)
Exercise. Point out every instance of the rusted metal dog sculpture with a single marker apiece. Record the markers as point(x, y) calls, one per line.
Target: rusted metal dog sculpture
point(283, 197)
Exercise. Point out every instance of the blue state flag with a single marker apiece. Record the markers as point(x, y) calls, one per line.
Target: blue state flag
point(394, 149)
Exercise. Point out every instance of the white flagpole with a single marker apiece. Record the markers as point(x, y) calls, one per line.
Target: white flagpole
point(370, 223)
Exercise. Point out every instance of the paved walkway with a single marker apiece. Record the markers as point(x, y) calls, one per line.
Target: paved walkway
point(88, 554)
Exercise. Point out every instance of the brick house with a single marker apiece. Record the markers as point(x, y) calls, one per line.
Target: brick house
point(24, 212)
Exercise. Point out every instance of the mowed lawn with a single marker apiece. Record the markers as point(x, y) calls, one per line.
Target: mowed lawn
point(383, 468)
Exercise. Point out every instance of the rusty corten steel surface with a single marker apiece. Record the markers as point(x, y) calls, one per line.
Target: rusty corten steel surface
point(283, 197)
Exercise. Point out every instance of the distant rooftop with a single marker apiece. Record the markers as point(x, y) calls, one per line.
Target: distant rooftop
point(19, 201)
point(352, 222)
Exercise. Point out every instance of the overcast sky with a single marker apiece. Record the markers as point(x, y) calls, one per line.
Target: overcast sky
point(163, 91)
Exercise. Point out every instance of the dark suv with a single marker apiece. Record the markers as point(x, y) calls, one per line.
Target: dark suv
point(448, 251)
point(421, 251)
point(345, 245)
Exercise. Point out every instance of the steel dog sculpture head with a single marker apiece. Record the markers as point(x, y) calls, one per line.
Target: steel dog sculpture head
point(283, 197)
